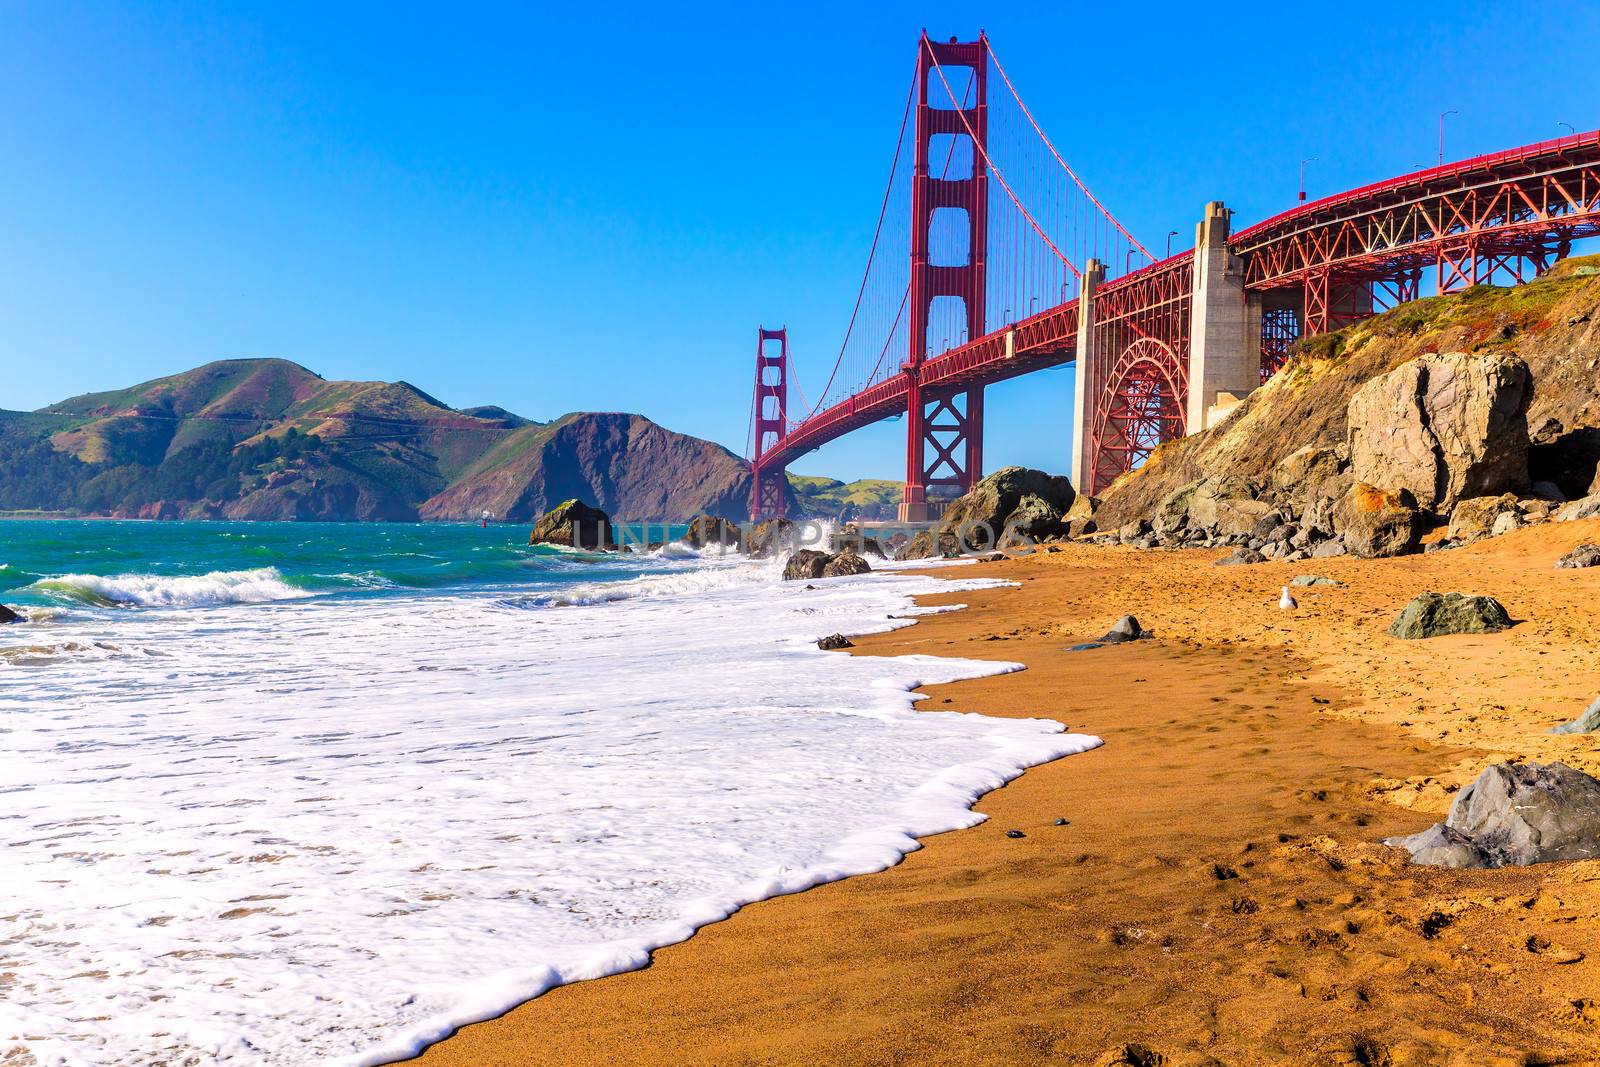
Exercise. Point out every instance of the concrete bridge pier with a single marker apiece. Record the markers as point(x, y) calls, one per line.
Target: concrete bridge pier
point(1083, 376)
point(1224, 326)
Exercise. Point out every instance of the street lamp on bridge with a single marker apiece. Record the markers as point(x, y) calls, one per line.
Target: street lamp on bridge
point(1570, 128)
point(1442, 114)
point(1170, 235)
point(1303, 162)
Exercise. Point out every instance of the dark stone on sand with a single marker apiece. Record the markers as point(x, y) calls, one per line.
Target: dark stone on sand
point(1587, 723)
point(1582, 556)
point(1061, 822)
point(1514, 814)
point(1126, 628)
point(1242, 554)
point(1433, 615)
point(1015, 833)
point(7, 615)
point(833, 641)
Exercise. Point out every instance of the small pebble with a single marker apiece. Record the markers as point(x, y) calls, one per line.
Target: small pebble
point(1061, 822)
point(1015, 833)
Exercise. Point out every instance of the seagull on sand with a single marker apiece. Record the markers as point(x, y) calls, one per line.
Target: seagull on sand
point(1287, 602)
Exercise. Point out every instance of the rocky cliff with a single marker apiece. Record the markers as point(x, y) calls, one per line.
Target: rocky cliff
point(1552, 325)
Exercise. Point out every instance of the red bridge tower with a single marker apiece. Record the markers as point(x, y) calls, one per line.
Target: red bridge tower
point(944, 431)
point(768, 488)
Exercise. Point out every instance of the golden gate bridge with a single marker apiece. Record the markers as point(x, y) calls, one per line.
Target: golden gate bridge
point(1015, 266)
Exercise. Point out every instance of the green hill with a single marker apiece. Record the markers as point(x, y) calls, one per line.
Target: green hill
point(269, 439)
point(829, 498)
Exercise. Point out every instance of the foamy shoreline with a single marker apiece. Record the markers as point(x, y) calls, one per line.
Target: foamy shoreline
point(734, 778)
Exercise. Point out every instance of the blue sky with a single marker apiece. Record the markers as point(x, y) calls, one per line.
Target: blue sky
point(592, 208)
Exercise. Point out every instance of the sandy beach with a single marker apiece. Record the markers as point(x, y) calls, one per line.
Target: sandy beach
point(1219, 892)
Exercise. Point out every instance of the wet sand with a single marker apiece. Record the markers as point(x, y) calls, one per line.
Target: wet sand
point(1219, 893)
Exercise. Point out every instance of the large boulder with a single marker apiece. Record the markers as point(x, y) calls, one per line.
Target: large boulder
point(806, 563)
point(1301, 472)
point(1515, 814)
point(1374, 523)
point(1434, 615)
point(7, 615)
point(770, 538)
point(575, 525)
point(1012, 503)
point(1476, 516)
point(1445, 427)
point(843, 563)
point(810, 563)
point(709, 530)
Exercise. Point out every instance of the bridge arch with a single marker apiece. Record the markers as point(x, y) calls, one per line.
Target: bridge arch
point(1143, 404)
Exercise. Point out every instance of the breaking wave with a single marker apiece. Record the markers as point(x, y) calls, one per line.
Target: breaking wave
point(168, 591)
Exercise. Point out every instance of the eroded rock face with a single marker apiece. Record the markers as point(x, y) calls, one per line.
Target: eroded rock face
point(575, 525)
point(709, 530)
point(1515, 814)
point(1302, 471)
point(1477, 516)
point(1225, 503)
point(1445, 427)
point(1375, 523)
point(7, 615)
point(1434, 615)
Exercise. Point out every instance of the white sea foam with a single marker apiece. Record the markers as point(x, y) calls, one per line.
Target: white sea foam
point(324, 831)
point(258, 586)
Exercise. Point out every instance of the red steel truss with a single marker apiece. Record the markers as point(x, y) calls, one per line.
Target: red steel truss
point(1505, 216)
point(1140, 371)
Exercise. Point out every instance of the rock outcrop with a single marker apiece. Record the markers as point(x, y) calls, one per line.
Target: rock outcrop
point(1514, 814)
point(7, 615)
point(1374, 523)
point(833, 642)
point(1445, 427)
point(576, 525)
point(809, 563)
point(1435, 615)
point(771, 538)
point(1011, 505)
point(843, 563)
point(707, 530)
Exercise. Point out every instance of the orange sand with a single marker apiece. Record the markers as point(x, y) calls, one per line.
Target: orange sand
point(1220, 895)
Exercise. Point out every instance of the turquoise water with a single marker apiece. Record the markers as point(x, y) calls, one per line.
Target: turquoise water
point(108, 564)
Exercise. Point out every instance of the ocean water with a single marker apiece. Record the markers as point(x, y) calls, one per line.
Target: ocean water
point(295, 793)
